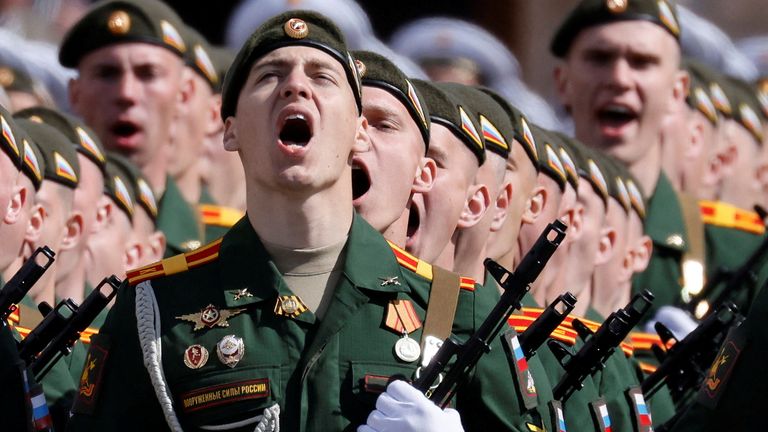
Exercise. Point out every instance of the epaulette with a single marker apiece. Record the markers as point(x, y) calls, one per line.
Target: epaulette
point(645, 341)
point(423, 268)
point(176, 264)
point(725, 215)
point(221, 216)
point(23, 331)
point(520, 323)
point(85, 336)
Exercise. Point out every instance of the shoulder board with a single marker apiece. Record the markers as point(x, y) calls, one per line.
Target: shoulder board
point(647, 367)
point(521, 322)
point(176, 264)
point(423, 268)
point(219, 215)
point(592, 325)
point(23, 331)
point(85, 336)
point(628, 349)
point(13, 318)
point(644, 341)
point(725, 215)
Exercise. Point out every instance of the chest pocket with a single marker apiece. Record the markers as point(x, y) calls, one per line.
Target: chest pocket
point(227, 396)
point(368, 380)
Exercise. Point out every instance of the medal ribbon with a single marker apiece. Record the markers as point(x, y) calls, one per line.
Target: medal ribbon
point(402, 317)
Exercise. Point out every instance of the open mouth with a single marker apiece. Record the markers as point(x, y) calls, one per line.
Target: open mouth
point(296, 131)
point(361, 182)
point(616, 115)
point(125, 129)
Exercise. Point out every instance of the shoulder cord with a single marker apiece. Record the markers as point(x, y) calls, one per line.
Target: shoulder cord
point(148, 325)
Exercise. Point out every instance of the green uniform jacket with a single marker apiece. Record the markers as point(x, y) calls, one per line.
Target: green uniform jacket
point(324, 375)
point(178, 220)
point(665, 225)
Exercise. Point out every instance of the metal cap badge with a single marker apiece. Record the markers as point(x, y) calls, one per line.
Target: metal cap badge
point(296, 28)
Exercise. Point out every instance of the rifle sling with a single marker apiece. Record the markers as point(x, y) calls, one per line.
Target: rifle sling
point(441, 308)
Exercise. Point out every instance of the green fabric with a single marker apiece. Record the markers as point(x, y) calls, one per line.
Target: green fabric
point(664, 224)
point(315, 369)
point(589, 13)
point(10, 144)
point(178, 220)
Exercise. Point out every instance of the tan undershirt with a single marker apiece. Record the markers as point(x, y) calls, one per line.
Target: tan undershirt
point(311, 274)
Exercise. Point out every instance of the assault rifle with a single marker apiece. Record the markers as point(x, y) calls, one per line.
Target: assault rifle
point(467, 354)
point(685, 363)
point(598, 346)
point(61, 327)
point(21, 282)
point(538, 332)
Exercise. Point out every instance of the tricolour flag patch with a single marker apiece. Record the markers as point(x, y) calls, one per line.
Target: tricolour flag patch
point(469, 128)
point(597, 177)
point(643, 415)
point(147, 197)
point(89, 145)
point(554, 162)
point(721, 101)
point(172, 37)
point(623, 194)
point(491, 134)
point(30, 160)
point(63, 168)
point(528, 141)
point(8, 135)
point(204, 63)
point(636, 198)
point(570, 167)
point(705, 106)
point(121, 193)
point(414, 98)
point(668, 18)
point(751, 121)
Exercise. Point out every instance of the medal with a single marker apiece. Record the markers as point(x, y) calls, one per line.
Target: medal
point(407, 349)
point(196, 356)
point(230, 349)
point(290, 306)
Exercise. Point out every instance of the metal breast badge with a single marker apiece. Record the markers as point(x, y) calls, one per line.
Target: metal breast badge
point(196, 356)
point(230, 349)
point(210, 316)
point(407, 349)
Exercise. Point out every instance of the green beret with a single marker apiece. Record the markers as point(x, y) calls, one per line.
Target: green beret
point(446, 110)
point(636, 197)
point(566, 154)
point(522, 132)
point(13, 79)
point(142, 192)
point(86, 141)
point(222, 58)
point(377, 71)
point(123, 21)
point(292, 28)
point(590, 13)
point(746, 106)
point(496, 127)
point(615, 173)
point(698, 97)
point(199, 57)
point(59, 155)
point(9, 142)
point(549, 161)
point(117, 186)
point(588, 165)
point(34, 165)
point(715, 82)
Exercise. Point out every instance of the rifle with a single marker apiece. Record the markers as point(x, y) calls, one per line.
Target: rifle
point(685, 363)
point(21, 282)
point(538, 332)
point(734, 280)
point(515, 286)
point(598, 345)
point(61, 328)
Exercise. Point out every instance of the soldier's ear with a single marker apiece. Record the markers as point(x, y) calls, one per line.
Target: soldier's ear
point(230, 134)
point(576, 225)
point(15, 204)
point(425, 176)
point(695, 146)
point(104, 209)
point(35, 224)
point(73, 230)
point(605, 246)
point(362, 139)
point(560, 74)
point(134, 252)
point(501, 209)
point(679, 89)
point(157, 244)
point(214, 116)
point(477, 203)
point(642, 254)
point(535, 204)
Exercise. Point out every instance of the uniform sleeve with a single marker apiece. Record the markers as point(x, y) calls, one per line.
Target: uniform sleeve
point(114, 390)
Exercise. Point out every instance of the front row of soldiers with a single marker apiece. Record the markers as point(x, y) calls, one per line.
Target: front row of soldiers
point(318, 308)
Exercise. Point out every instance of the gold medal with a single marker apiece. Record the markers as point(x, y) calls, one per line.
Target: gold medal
point(210, 317)
point(290, 306)
point(296, 28)
point(407, 349)
point(230, 349)
point(196, 356)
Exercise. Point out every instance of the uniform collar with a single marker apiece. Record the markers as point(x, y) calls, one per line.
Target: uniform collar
point(369, 263)
point(664, 222)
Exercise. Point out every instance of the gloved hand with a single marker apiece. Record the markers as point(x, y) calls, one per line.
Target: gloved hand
point(678, 321)
point(402, 408)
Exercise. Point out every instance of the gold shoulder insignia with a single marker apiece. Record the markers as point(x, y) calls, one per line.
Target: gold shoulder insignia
point(219, 215)
point(423, 268)
point(176, 264)
point(725, 215)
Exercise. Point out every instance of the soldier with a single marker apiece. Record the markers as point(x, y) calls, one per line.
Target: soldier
point(23, 90)
point(12, 193)
point(293, 112)
point(71, 283)
point(131, 84)
point(618, 76)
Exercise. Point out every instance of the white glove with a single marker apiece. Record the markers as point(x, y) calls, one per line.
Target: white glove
point(678, 321)
point(402, 408)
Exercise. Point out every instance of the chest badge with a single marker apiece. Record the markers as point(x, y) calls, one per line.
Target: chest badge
point(210, 317)
point(241, 293)
point(389, 281)
point(230, 349)
point(289, 306)
point(196, 356)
